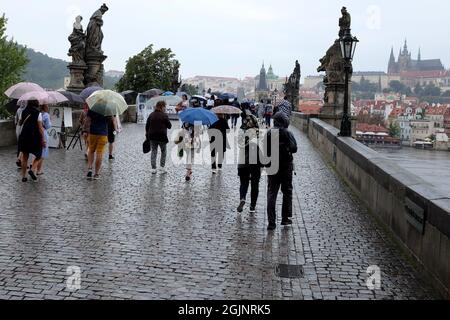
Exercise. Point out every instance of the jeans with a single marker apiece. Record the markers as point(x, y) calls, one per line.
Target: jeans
point(154, 149)
point(268, 120)
point(251, 174)
point(282, 179)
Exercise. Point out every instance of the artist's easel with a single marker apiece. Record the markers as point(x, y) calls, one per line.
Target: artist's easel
point(76, 138)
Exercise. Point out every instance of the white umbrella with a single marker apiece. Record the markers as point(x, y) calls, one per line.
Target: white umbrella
point(107, 103)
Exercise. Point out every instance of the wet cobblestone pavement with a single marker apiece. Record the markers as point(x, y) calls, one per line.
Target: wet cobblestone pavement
point(138, 236)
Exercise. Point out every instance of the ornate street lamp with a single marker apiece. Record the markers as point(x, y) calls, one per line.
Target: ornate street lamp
point(348, 47)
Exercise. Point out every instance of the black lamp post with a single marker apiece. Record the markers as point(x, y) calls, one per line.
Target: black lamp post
point(348, 47)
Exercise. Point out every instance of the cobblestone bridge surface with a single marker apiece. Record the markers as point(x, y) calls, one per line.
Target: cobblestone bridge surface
point(138, 236)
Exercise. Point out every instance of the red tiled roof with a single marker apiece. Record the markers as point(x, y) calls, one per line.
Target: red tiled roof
point(310, 107)
point(364, 127)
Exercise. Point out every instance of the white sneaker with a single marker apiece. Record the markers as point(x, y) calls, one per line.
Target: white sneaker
point(163, 171)
point(154, 171)
point(214, 172)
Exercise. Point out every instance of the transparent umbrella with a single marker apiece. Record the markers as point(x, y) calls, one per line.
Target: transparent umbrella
point(107, 103)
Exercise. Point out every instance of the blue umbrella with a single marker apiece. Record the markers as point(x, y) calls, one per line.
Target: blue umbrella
point(168, 93)
point(196, 115)
point(86, 93)
point(227, 96)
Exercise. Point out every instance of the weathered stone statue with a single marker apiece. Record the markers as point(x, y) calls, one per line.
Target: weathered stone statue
point(94, 35)
point(78, 43)
point(77, 52)
point(333, 65)
point(292, 86)
point(94, 52)
point(86, 51)
point(175, 85)
point(344, 22)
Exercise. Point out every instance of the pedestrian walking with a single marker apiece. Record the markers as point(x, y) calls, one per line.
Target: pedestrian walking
point(112, 133)
point(18, 130)
point(235, 117)
point(284, 106)
point(268, 113)
point(98, 139)
point(47, 124)
point(31, 138)
point(283, 177)
point(156, 132)
point(218, 149)
point(249, 167)
point(211, 102)
point(84, 125)
point(188, 141)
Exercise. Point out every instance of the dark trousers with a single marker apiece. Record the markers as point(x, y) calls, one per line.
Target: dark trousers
point(234, 121)
point(250, 175)
point(268, 120)
point(154, 149)
point(217, 159)
point(282, 179)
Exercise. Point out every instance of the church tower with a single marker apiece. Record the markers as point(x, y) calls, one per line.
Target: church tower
point(392, 66)
point(262, 85)
point(404, 60)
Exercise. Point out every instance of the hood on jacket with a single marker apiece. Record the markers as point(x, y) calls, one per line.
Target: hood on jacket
point(281, 120)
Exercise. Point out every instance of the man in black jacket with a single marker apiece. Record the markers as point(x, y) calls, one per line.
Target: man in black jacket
point(156, 132)
point(283, 177)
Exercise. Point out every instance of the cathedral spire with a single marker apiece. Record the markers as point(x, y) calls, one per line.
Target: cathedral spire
point(419, 56)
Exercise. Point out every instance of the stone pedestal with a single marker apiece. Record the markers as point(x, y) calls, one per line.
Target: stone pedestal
point(77, 72)
point(334, 100)
point(95, 70)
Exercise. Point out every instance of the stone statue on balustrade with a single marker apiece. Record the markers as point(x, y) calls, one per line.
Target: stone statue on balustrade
point(344, 22)
point(77, 43)
point(333, 65)
point(292, 86)
point(78, 53)
point(94, 52)
point(94, 33)
point(176, 83)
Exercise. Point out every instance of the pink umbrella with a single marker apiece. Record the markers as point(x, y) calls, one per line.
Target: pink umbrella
point(44, 97)
point(18, 90)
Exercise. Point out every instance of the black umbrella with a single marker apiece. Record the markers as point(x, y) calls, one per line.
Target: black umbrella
point(72, 97)
point(129, 96)
point(12, 106)
point(153, 93)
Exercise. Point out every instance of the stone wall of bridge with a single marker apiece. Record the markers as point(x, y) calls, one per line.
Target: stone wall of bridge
point(414, 211)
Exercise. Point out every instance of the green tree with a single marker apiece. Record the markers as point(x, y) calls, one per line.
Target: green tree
point(418, 90)
point(13, 60)
point(394, 130)
point(398, 87)
point(190, 89)
point(148, 70)
point(431, 91)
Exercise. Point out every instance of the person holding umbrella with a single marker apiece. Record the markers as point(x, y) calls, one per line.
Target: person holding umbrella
point(193, 120)
point(31, 139)
point(103, 104)
point(47, 124)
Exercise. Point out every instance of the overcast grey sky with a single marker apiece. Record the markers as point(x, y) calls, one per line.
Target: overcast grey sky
point(233, 37)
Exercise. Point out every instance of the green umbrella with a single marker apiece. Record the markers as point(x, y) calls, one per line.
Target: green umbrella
point(107, 103)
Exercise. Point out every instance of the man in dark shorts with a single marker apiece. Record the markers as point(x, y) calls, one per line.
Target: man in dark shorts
point(112, 132)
